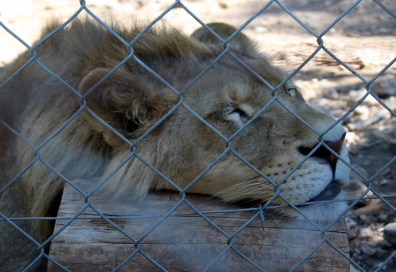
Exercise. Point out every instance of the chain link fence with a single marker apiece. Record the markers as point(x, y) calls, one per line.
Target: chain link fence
point(259, 211)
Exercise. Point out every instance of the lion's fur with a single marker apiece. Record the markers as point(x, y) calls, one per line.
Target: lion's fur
point(35, 104)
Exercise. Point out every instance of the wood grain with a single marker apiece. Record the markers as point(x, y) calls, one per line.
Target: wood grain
point(186, 242)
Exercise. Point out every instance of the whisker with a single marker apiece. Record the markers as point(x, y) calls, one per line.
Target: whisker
point(246, 189)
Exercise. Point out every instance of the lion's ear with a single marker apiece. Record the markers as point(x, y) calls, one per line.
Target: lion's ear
point(239, 42)
point(124, 101)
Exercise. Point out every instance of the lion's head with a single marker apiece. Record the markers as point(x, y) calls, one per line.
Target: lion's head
point(276, 128)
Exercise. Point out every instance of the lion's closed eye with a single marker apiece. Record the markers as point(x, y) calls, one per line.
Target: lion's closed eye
point(292, 91)
point(242, 114)
point(238, 115)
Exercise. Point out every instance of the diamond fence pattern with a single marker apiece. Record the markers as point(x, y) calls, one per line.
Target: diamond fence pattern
point(229, 148)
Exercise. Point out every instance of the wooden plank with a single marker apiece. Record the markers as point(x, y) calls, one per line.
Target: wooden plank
point(186, 242)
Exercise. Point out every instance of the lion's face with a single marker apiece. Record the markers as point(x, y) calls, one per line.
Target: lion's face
point(276, 133)
point(275, 143)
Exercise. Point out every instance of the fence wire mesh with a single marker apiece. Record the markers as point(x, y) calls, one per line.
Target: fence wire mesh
point(369, 193)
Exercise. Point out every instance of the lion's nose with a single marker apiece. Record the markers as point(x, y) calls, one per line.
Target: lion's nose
point(323, 154)
point(336, 147)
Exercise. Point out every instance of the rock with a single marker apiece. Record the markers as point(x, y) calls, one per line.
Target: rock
point(385, 244)
point(356, 95)
point(353, 138)
point(352, 228)
point(364, 218)
point(314, 80)
point(223, 5)
point(331, 93)
point(383, 217)
point(357, 177)
point(381, 135)
point(365, 232)
point(367, 122)
point(384, 182)
point(353, 268)
point(260, 29)
point(383, 268)
point(363, 111)
point(371, 101)
point(322, 105)
point(367, 250)
point(390, 233)
point(385, 88)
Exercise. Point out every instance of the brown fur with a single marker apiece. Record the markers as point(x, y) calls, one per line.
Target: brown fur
point(131, 100)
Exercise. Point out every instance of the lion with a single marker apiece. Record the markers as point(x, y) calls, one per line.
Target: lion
point(161, 113)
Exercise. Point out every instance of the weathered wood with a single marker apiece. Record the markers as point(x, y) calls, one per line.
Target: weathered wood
point(186, 242)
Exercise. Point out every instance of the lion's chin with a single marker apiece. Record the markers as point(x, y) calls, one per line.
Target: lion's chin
point(331, 208)
point(325, 212)
point(330, 192)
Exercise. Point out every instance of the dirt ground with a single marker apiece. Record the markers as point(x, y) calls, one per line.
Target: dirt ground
point(364, 39)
